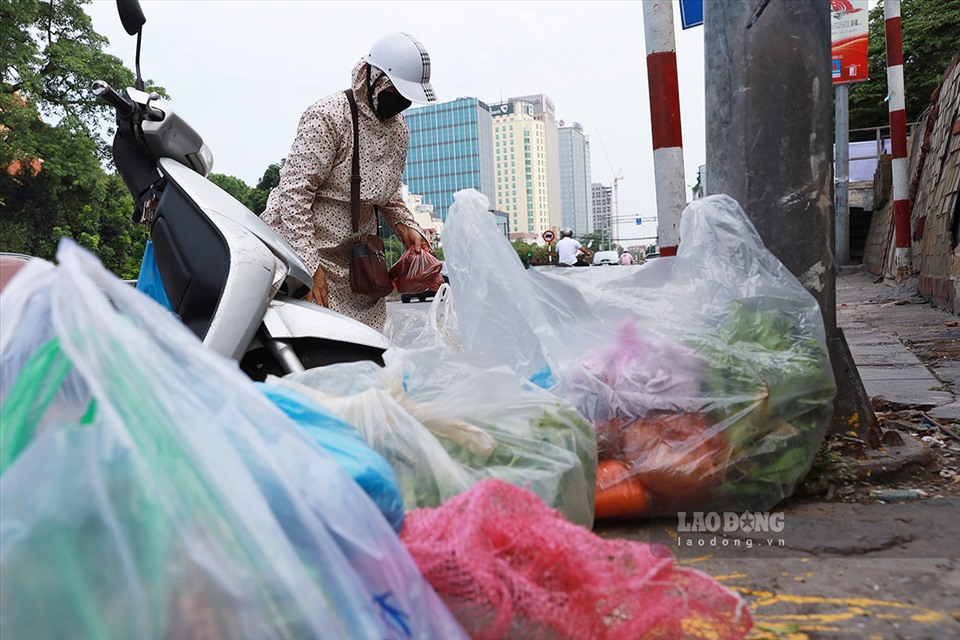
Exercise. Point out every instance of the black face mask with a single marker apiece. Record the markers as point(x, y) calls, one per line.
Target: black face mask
point(389, 104)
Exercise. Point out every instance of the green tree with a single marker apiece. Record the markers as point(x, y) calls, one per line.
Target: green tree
point(50, 57)
point(71, 196)
point(534, 255)
point(931, 37)
point(232, 185)
point(392, 249)
point(260, 193)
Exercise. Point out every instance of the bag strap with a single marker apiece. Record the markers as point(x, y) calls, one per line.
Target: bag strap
point(355, 167)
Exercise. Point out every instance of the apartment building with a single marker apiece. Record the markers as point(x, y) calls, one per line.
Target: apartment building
point(545, 111)
point(521, 172)
point(602, 208)
point(451, 148)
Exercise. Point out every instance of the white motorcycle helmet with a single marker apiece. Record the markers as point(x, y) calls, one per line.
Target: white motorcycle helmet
point(566, 233)
point(406, 63)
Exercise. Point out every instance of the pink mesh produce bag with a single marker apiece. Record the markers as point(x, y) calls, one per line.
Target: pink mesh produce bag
point(509, 566)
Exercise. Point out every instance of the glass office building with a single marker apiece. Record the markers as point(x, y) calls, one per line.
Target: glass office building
point(451, 148)
point(576, 197)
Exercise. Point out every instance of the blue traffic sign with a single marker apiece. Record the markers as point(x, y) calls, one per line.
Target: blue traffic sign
point(639, 220)
point(691, 13)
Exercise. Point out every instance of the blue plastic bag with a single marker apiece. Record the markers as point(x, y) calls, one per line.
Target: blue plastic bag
point(371, 470)
point(149, 281)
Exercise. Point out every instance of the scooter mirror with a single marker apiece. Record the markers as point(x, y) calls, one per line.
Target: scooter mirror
point(131, 15)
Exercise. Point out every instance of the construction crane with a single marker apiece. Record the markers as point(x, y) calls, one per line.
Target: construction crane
point(617, 177)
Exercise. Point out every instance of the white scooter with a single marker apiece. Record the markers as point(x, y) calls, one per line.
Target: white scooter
point(232, 280)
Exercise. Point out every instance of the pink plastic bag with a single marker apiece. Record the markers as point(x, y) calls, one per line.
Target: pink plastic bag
point(416, 272)
point(509, 566)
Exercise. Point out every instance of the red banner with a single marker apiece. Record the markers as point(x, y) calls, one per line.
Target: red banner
point(849, 33)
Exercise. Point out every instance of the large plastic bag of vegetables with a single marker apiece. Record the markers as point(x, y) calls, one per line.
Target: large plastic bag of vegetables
point(706, 375)
point(444, 424)
point(149, 490)
point(509, 567)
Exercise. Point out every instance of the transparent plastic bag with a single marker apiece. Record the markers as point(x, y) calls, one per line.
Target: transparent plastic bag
point(439, 329)
point(416, 272)
point(165, 496)
point(445, 424)
point(706, 375)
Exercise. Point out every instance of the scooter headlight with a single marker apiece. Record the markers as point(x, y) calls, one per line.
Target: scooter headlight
point(202, 160)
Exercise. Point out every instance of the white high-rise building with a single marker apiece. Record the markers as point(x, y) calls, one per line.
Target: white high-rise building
point(521, 168)
point(545, 111)
point(602, 208)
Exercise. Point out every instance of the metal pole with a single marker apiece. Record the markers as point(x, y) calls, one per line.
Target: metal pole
point(841, 174)
point(665, 121)
point(898, 135)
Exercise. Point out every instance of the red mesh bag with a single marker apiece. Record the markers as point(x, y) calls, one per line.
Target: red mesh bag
point(509, 566)
point(416, 272)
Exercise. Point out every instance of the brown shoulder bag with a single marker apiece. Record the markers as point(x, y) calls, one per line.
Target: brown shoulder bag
point(368, 265)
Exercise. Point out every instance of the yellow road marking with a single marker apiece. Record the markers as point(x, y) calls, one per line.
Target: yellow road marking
point(732, 576)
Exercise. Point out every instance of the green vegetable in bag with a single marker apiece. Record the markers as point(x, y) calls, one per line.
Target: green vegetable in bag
point(773, 389)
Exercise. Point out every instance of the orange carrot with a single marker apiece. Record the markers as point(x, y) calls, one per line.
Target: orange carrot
point(618, 492)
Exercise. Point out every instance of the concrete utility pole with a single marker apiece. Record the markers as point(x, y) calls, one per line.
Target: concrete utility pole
point(665, 121)
point(769, 130)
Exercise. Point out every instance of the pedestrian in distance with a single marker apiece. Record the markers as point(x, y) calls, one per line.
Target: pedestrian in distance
point(626, 258)
point(310, 207)
point(569, 250)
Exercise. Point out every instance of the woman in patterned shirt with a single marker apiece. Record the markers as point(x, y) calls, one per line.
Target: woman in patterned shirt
point(310, 208)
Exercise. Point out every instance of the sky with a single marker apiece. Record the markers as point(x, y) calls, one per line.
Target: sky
point(242, 72)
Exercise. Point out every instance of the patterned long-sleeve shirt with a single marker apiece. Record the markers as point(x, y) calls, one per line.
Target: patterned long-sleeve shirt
point(310, 208)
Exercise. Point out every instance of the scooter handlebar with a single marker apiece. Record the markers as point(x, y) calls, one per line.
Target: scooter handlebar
point(103, 91)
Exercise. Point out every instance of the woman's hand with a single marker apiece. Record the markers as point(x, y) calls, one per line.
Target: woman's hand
point(318, 293)
point(411, 237)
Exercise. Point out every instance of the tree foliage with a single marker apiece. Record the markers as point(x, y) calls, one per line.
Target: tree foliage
point(931, 37)
point(534, 255)
point(260, 193)
point(71, 196)
point(50, 120)
point(51, 57)
point(254, 198)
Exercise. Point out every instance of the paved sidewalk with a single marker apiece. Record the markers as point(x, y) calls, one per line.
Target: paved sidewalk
point(906, 350)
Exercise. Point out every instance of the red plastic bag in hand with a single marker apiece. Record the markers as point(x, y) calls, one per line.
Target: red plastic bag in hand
point(416, 272)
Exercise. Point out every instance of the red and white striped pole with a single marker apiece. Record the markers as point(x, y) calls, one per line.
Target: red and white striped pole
point(665, 122)
point(898, 135)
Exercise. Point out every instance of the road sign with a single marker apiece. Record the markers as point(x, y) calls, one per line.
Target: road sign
point(639, 220)
point(548, 236)
point(691, 13)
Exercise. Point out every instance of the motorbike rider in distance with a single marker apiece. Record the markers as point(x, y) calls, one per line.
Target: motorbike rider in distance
point(569, 250)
